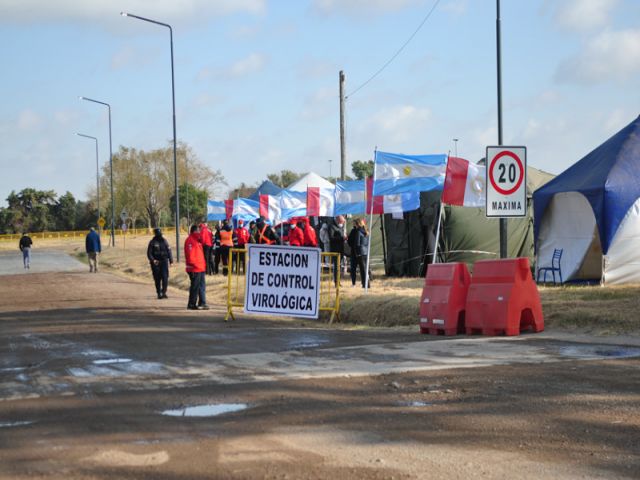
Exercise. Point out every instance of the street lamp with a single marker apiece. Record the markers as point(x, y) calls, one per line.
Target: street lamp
point(173, 98)
point(113, 201)
point(455, 146)
point(97, 170)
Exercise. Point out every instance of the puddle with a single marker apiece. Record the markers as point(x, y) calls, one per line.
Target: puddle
point(415, 404)
point(14, 424)
point(599, 351)
point(307, 341)
point(206, 410)
point(109, 361)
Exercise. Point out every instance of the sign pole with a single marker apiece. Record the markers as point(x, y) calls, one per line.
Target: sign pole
point(503, 221)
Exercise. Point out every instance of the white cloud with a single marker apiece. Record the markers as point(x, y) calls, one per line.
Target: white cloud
point(106, 11)
point(126, 56)
point(320, 104)
point(584, 14)
point(253, 63)
point(396, 125)
point(66, 117)
point(28, 120)
point(362, 7)
point(611, 55)
point(456, 7)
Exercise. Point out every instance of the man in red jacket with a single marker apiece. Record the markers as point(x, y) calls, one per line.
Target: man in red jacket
point(296, 235)
point(310, 237)
point(196, 267)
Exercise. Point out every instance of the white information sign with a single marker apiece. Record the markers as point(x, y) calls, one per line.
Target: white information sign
point(283, 281)
point(506, 181)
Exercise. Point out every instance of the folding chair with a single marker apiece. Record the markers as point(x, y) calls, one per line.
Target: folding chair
point(555, 267)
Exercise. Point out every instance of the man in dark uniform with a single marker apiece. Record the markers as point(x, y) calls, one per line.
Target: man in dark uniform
point(159, 255)
point(265, 234)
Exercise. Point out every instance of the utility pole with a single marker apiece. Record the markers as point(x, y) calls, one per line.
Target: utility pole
point(503, 221)
point(343, 153)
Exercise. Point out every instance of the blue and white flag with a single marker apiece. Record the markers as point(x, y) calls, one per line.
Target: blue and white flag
point(245, 209)
point(400, 203)
point(396, 173)
point(292, 204)
point(216, 210)
point(350, 197)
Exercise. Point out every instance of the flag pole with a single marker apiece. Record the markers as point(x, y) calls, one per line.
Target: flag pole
point(373, 186)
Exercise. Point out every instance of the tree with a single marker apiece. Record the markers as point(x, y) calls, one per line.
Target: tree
point(65, 212)
point(242, 191)
point(30, 210)
point(144, 182)
point(284, 178)
point(193, 203)
point(361, 169)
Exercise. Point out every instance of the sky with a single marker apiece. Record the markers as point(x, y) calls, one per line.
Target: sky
point(256, 82)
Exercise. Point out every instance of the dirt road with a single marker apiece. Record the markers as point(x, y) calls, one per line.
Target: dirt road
point(99, 379)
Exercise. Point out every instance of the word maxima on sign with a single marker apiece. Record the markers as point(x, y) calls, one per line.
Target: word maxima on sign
point(506, 181)
point(282, 281)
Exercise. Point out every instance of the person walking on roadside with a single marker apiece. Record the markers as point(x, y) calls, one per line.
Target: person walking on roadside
point(25, 244)
point(196, 268)
point(159, 255)
point(207, 245)
point(93, 249)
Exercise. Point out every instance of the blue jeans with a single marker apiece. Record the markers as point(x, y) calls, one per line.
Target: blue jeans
point(26, 257)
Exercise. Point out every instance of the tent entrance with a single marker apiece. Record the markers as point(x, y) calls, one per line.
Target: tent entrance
point(569, 223)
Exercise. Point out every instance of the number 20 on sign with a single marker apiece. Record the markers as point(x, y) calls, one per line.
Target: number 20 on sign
point(506, 181)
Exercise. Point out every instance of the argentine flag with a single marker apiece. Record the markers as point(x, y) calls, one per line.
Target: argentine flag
point(246, 209)
point(293, 204)
point(216, 210)
point(350, 197)
point(396, 173)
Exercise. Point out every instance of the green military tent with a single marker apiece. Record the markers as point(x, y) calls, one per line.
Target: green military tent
point(466, 234)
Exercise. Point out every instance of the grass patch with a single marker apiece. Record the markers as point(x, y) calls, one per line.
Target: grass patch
point(395, 301)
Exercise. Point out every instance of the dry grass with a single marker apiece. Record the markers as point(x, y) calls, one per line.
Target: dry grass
point(395, 301)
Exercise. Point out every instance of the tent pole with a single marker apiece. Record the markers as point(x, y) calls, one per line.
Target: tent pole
point(373, 187)
point(435, 248)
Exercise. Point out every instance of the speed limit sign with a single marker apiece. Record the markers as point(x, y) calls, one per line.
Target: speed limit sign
point(506, 181)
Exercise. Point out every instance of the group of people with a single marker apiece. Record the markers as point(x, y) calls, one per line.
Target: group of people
point(205, 249)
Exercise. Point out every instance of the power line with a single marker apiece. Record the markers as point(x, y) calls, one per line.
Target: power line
point(424, 20)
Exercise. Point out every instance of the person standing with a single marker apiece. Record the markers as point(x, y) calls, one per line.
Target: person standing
point(362, 250)
point(227, 239)
point(25, 244)
point(336, 244)
point(310, 237)
point(296, 235)
point(207, 244)
point(93, 249)
point(351, 241)
point(265, 234)
point(215, 267)
point(242, 234)
point(196, 268)
point(159, 255)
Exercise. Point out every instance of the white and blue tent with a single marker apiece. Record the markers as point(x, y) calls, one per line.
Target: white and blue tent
point(592, 212)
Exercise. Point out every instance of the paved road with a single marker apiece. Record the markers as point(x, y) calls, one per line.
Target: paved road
point(41, 261)
point(90, 362)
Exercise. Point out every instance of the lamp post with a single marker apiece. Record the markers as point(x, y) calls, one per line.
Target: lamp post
point(113, 201)
point(173, 99)
point(455, 147)
point(97, 170)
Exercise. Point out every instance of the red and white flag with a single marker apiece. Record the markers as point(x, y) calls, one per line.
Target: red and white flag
point(464, 184)
point(270, 208)
point(321, 201)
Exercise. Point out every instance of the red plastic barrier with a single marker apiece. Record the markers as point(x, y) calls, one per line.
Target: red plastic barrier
point(503, 298)
point(443, 299)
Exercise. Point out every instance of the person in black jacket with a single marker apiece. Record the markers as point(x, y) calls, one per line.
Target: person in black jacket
point(362, 250)
point(159, 255)
point(25, 247)
point(337, 238)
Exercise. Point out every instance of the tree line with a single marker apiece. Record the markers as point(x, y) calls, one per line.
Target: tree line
point(143, 187)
